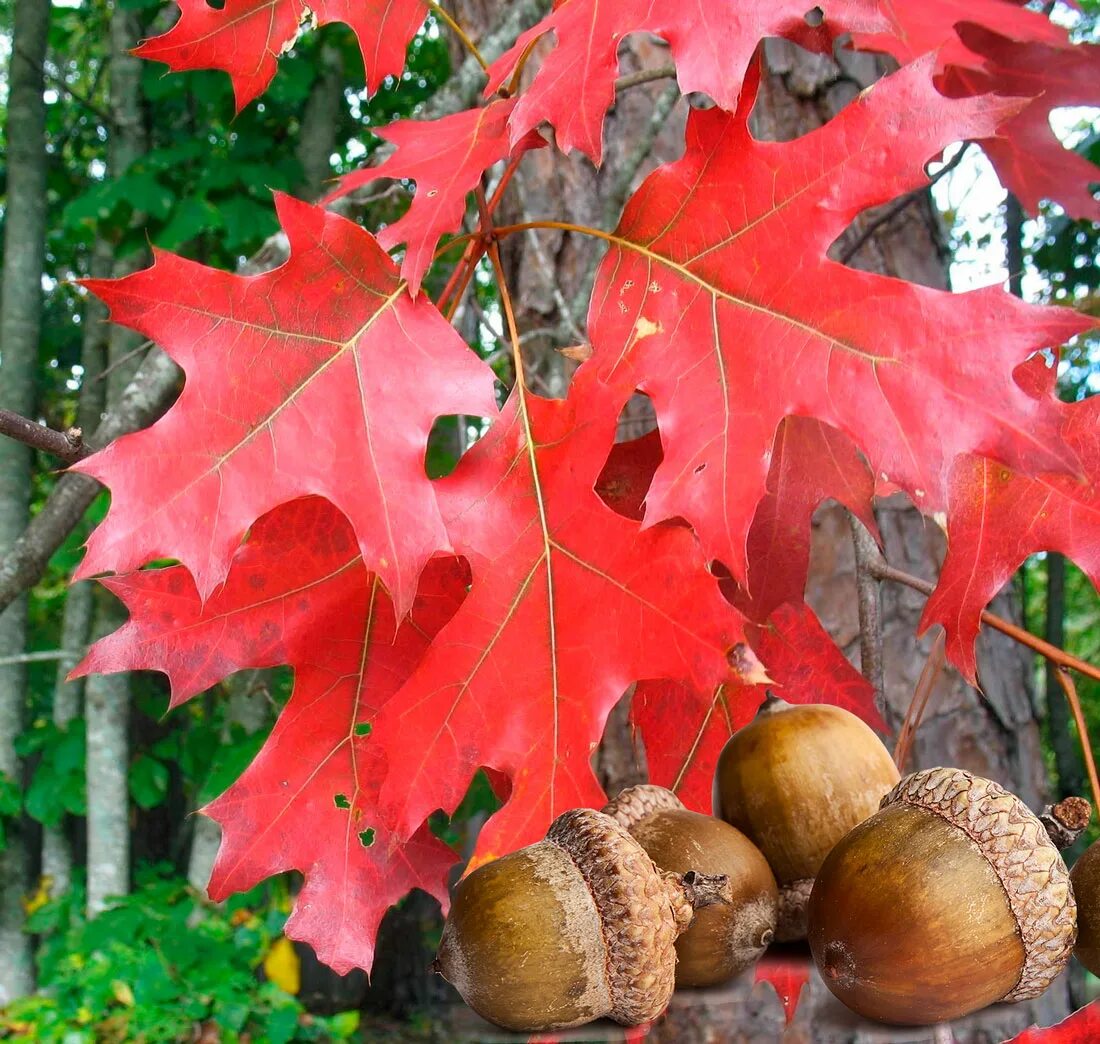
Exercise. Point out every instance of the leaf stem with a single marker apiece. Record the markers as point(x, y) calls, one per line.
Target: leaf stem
point(1070, 690)
point(1051, 652)
point(469, 44)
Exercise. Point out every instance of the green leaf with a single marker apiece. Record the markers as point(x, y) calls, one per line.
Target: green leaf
point(148, 781)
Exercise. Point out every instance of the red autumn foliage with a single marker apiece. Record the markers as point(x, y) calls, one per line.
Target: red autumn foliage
point(779, 378)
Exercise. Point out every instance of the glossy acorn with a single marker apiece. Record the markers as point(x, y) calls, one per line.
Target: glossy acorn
point(579, 926)
point(725, 938)
point(795, 780)
point(1086, 889)
point(950, 898)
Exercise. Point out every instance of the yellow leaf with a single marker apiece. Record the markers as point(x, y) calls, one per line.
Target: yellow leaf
point(123, 994)
point(282, 967)
point(40, 897)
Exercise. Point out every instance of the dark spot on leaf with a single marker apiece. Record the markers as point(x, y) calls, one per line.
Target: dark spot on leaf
point(700, 469)
point(257, 581)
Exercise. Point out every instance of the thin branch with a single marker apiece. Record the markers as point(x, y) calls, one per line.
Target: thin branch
point(922, 695)
point(1051, 652)
point(870, 616)
point(898, 206)
point(635, 79)
point(469, 44)
point(52, 655)
point(67, 445)
point(123, 359)
point(1070, 690)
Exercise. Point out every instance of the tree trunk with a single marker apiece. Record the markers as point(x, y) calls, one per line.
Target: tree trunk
point(107, 698)
point(247, 708)
point(76, 622)
point(20, 327)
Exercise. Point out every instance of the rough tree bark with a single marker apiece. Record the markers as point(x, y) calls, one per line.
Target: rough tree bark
point(20, 328)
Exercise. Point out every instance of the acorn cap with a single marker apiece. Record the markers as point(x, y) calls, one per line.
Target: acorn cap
point(642, 909)
point(1017, 847)
point(635, 803)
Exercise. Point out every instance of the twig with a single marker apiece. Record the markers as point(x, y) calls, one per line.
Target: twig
point(663, 72)
point(68, 445)
point(898, 206)
point(469, 44)
point(49, 656)
point(1051, 652)
point(926, 685)
point(122, 359)
point(1070, 690)
point(870, 617)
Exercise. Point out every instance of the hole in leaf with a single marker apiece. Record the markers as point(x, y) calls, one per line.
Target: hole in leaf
point(700, 469)
point(628, 471)
point(363, 728)
point(450, 437)
point(341, 801)
point(814, 17)
point(366, 837)
point(216, 5)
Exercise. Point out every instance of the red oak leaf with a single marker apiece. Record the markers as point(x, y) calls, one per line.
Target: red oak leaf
point(685, 729)
point(1029, 158)
point(933, 25)
point(711, 43)
point(999, 516)
point(321, 377)
point(717, 300)
point(299, 594)
point(787, 975)
point(446, 158)
point(570, 604)
point(246, 37)
point(810, 462)
point(1082, 1027)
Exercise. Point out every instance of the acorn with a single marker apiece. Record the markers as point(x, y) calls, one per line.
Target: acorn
point(576, 927)
point(795, 780)
point(950, 898)
point(725, 938)
point(1086, 889)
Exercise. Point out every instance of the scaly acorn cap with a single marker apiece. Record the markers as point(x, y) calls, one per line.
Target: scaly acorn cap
point(635, 803)
point(1016, 845)
point(643, 910)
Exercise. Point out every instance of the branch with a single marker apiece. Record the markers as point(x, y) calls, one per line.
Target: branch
point(1051, 652)
point(868, 557)
point(663, 72)
point(900, 204)
point(148, 395)
point(68, 444)
point(1082, 733)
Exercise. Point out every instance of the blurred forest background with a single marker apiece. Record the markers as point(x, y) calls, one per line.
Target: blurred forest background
point(105, 932)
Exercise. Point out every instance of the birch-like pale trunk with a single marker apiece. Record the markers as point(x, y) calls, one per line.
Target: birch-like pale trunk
point(20, 328)
point(76, 621)
point(249, 709)
point(107, 699)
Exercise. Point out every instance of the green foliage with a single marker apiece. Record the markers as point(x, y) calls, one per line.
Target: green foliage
point(156, 967)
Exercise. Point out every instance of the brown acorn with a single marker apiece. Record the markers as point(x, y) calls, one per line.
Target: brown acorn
point(1086, 889)
point(576, 927)
point(950, 898)
point(795, 780)
point(725, 938)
